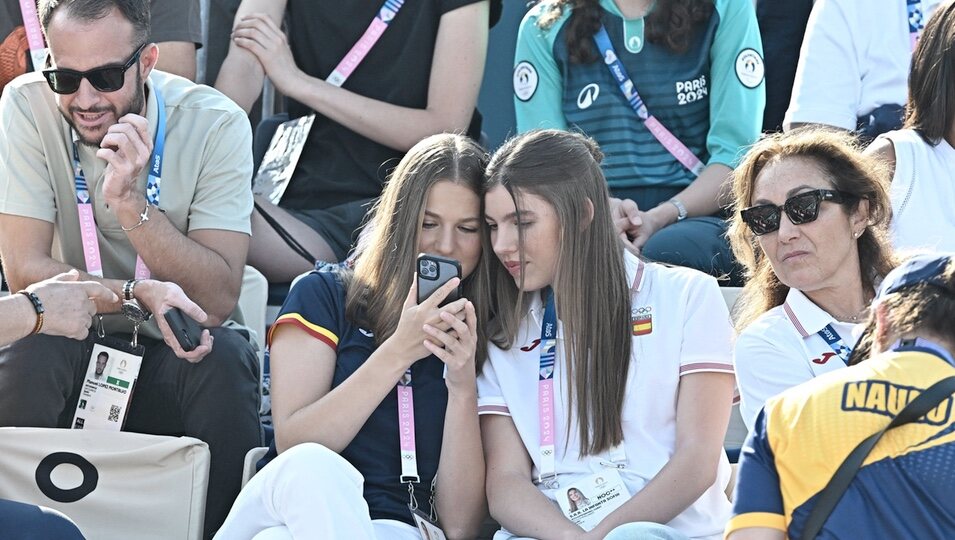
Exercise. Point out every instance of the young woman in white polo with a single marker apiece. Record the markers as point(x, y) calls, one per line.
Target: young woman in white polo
point(606, 373)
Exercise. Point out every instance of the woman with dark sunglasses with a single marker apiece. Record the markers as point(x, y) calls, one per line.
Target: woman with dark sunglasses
point(810, 229)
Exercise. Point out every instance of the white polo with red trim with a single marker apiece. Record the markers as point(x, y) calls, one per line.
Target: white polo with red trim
point(680, 326)
point(782, 348)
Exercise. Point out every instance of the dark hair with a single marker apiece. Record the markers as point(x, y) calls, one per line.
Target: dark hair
point(670, 23)
point(134, 11)
point(385, 259)
point(924, 307)
point(563, 168)
point(931, 105)
point(838, 156)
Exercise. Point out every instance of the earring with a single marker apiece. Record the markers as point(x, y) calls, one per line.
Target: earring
point(857, 234)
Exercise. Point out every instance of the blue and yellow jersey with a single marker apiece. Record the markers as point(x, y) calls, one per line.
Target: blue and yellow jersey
point(710, 97)
point(904, 488)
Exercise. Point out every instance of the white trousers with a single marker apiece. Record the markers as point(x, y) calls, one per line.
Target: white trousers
point(308, 492)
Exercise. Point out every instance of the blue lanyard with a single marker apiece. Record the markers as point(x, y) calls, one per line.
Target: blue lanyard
point(155, 161)
point(916, 20)
point(834, 340)
point(669, 141)
point(548, 346)
point(619, 72)
point(545, 394)
point(91, 254)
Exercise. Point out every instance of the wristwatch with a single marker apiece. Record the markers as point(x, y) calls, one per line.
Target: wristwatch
point(135, 312)
point(131, 307)
point(680, 209)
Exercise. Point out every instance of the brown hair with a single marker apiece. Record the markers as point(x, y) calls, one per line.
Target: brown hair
point(838, 156)
point(563, 168)
point(135, 11)
point(385, 259)
point(670, 23)
point(931, 106)
point(924, 307)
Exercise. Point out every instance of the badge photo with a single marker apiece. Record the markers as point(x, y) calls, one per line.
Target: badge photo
point(588, 501)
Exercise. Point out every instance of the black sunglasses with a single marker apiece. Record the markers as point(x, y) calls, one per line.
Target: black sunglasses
point(802, 208)
point(104, 79)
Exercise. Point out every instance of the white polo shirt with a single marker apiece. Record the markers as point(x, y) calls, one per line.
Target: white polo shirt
point(855, 57)
point(922, 193)
point(782, 348)
point(689, 332)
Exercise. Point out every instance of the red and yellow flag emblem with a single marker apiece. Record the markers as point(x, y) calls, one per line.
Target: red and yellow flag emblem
point(641, 320)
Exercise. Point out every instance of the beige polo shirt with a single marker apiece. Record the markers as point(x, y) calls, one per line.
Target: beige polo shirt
point(206, 174)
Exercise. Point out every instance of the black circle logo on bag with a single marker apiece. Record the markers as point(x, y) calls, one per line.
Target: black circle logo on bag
point(44, 479)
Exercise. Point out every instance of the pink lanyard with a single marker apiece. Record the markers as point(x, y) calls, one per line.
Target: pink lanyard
point(545, 392)
point(547, 470)
point(669, 141)
point(406, 433)
point(84, 206)
point(360, 50)
point(31, 23)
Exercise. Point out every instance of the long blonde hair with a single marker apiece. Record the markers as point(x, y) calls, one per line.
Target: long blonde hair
point(839, 157)
point(591, 289)
point(385, 260)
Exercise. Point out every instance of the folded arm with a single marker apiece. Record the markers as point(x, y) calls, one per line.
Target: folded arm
point(454, 82)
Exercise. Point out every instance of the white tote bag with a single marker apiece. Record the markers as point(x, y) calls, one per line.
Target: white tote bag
point(114, 485)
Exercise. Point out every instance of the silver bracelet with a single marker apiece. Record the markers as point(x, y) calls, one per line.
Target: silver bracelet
point(143, 218)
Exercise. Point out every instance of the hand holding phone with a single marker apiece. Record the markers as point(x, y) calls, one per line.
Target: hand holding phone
point(433, 272)
point(185, 328)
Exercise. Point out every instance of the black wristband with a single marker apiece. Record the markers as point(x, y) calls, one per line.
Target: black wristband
point(37, 307)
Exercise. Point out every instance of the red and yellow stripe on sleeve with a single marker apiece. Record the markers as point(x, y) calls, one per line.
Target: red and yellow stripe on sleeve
point(316, 331)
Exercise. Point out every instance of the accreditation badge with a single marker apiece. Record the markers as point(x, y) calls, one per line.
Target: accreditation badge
point(108, 386)
point(590, 500)
point(426, 527)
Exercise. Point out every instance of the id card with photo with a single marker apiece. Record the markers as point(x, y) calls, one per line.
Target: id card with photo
point(278, 164)
point(590, 500)
point(427, 529)
point(108, 386)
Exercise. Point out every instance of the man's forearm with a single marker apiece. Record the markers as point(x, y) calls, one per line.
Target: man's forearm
point(204, 275)
point(17, 318)
point(38, 269)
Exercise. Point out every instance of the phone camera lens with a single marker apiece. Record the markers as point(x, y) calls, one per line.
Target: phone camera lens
point(429, 269)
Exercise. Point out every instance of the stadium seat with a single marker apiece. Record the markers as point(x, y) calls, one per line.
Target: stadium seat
point(114, 485)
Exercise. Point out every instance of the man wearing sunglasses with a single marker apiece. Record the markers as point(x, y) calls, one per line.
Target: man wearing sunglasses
point(128, 174)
